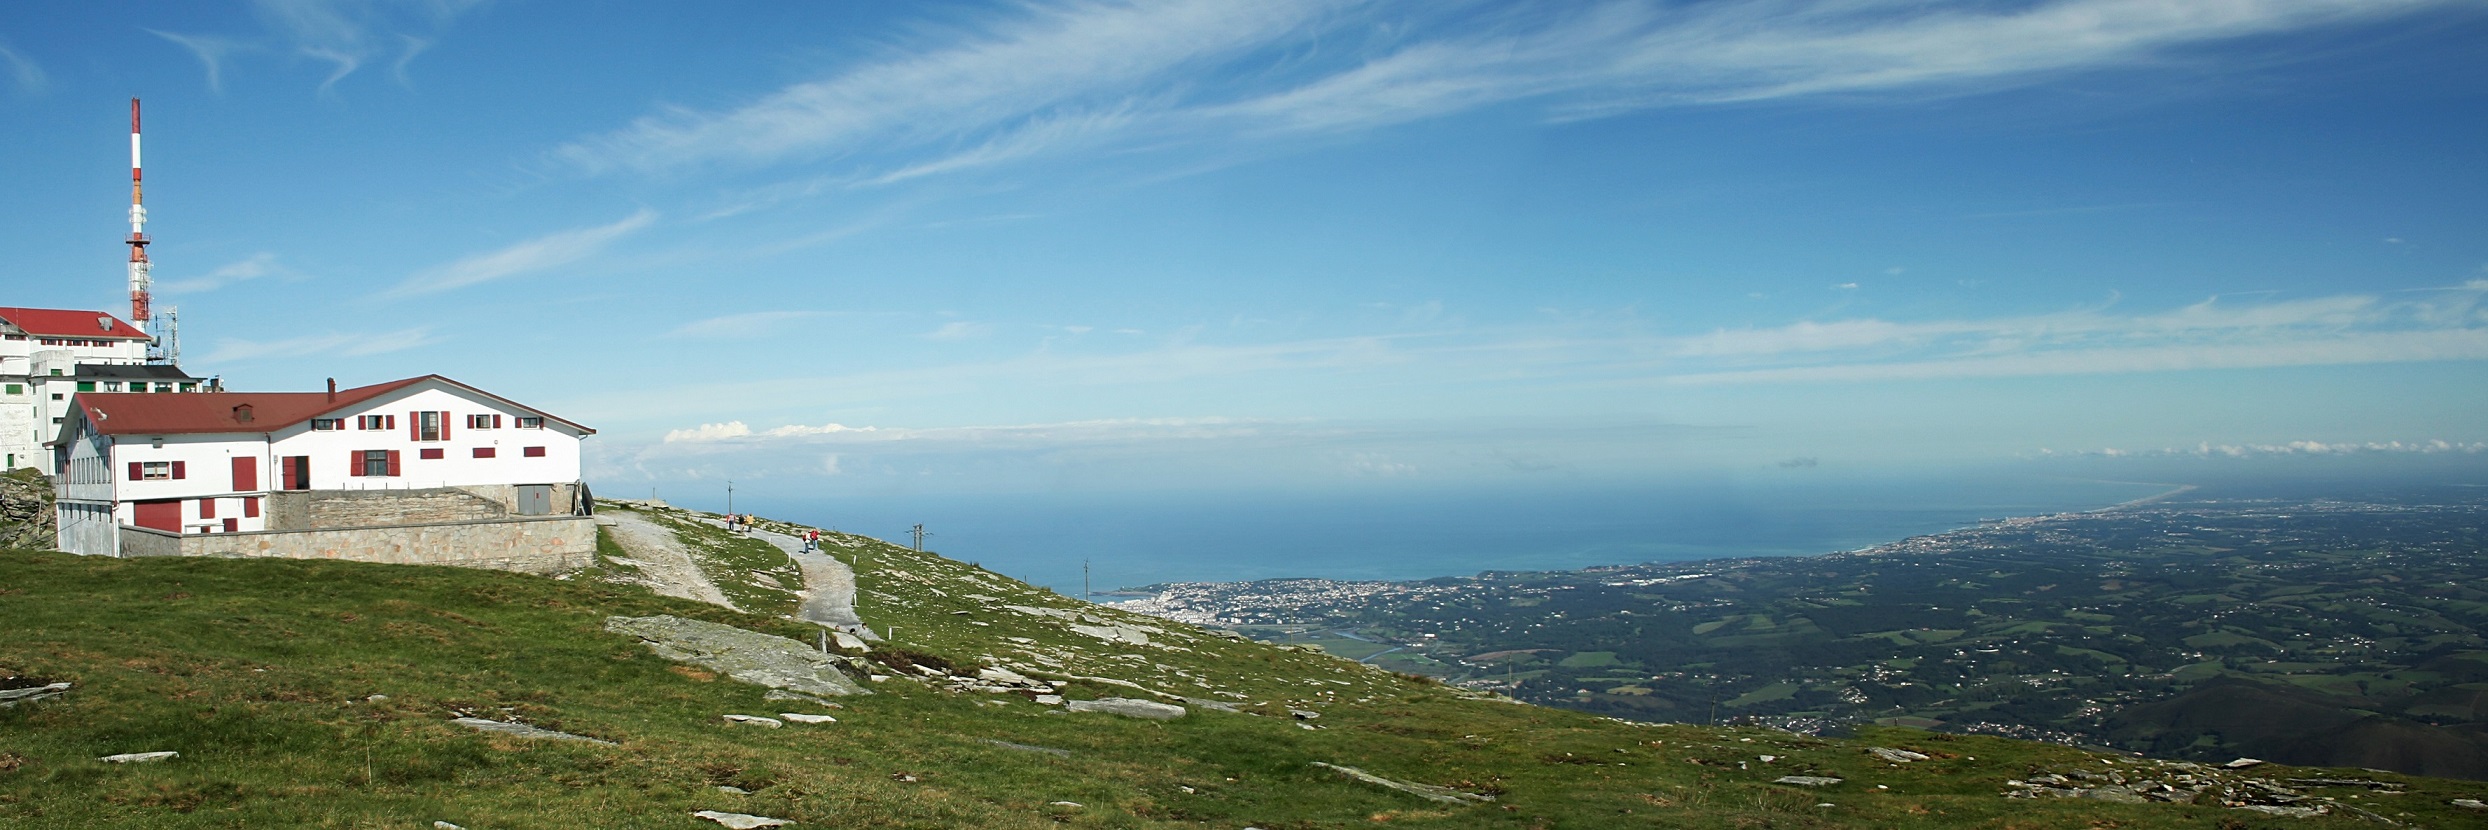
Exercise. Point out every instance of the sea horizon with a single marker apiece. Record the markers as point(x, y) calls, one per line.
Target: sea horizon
point(1133, 541)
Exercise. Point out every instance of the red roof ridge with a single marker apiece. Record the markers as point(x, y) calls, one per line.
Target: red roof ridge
point(70, 322)
point(216, 412)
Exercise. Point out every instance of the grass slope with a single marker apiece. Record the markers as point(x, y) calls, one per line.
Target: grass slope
point(261, 673)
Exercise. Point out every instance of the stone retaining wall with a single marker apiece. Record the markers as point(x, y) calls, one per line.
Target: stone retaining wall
point(534, 545)
point(324, 509)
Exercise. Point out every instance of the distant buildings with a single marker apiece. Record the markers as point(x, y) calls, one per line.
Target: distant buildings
point(48, 356)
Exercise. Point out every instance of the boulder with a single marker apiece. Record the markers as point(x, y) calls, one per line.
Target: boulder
point(1128, 707)
point(747, 656)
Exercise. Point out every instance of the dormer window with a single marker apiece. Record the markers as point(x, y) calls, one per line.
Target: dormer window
point(242, 414)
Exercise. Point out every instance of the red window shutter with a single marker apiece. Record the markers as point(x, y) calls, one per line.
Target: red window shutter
point(181, 469)
point(414, 425)
point(496, 421)
point(430, 453)
point(354, 462)
point(388, 422)
point(444, 426)
point(484, 452)
point(393, 461)
point(250, 508)
point(291, 475)
point(136, 471)
point(245, 474)
point(233, 525)
point(207, 508)
point(534, 452)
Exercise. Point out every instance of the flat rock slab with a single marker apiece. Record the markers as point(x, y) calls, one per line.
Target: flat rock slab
point(1897, 756)
point(1807, 780)
point(799, 717)
point(520, 730)
point(755, 720)
point(1058, 753)
point(138, 757)
point(12, 697)
point(1128, 707)
point(739, 821)
point(1428, 792)
point(748, 656)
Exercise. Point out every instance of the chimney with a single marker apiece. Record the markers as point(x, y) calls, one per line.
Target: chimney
point(332, 390)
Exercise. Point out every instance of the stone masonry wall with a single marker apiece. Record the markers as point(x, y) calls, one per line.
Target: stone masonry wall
point(533, 545)
point(325, 509)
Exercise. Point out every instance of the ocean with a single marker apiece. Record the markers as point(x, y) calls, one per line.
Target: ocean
point(1134, 540)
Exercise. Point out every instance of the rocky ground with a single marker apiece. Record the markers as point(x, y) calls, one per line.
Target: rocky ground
point(26, 517)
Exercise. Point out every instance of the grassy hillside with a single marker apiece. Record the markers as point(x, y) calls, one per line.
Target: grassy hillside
point(263, 675)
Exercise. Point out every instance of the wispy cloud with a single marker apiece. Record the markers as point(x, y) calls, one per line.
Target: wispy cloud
point(2288, 448)
point(737, 326)
point(23, 71)
point(259, 265)
point(957, 330)
point(209, 49)
point(539, 254)
point(345, 35)
point(350, 344)
point(1053, 77)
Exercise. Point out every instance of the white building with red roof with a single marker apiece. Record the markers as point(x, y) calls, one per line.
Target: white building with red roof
point(139, 469)
point(49, 355)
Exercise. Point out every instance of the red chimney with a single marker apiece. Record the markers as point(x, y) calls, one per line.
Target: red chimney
point(332, 390)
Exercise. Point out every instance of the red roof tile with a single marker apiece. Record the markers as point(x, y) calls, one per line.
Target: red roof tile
point(133, 413)
point(60, 322)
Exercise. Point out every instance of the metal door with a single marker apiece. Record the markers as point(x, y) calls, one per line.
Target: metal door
point(535, 499)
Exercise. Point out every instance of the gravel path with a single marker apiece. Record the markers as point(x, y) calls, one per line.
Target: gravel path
point(665, 566)
point(828, 585)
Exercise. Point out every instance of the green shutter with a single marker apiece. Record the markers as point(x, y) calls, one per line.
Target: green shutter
point(86, 386)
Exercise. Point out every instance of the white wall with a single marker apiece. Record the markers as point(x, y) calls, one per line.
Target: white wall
point(458, 466)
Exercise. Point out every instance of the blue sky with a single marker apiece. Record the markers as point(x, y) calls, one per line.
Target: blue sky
point(881, 248)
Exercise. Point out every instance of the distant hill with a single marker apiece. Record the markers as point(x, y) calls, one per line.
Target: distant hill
point(316, 693)
point(2299, 726)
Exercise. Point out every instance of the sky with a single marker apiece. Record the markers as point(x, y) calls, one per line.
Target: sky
point(1302, 245)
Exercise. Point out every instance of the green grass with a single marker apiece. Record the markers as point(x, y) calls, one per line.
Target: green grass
point(261, 672)
point(1588, 659)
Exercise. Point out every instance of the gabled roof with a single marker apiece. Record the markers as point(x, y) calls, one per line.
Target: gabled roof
point(134, 413)
point(61, 322)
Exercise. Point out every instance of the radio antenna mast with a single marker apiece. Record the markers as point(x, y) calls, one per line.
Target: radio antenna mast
point(138, 232)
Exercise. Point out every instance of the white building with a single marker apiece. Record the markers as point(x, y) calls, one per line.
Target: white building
point(242, 462)
point(48, 356)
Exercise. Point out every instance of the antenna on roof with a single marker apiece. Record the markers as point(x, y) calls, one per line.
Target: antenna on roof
point(167, 345)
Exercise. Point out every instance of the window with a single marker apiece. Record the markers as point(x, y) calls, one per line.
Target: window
point(372, 422)
point(380, 463)
point(533, 452)
point(483, 422)
point(114, 386)
point(56, 395)
point(86, 386)
point(157, 470)
point(432, 453)
point(189, 387)
point(431, 426)
point(56, 373)
point(484, 452)
point(530, 422)
point(16, 389)
point(161, 387)
point(327, 424)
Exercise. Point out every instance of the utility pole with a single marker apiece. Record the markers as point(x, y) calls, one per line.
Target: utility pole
point(729, 497)
point(918, 532)
point(1087, 594)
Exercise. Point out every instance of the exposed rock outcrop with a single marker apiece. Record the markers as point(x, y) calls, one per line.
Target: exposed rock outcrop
point(748, 656)
point(26, 515)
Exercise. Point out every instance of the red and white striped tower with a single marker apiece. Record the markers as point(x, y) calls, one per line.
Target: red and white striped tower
point(138, 232)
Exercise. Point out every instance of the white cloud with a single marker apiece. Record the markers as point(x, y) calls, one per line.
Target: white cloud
point(1084, 74)
point(956, 330)
point(262, 264)
point(539, 254)
point(708, 432)
point(2435, 446)
point(22, 70)
point(209, 49)
point(357, 344)
point(750, 324)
